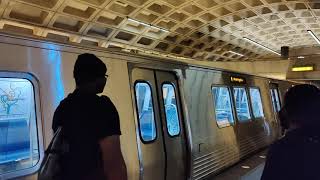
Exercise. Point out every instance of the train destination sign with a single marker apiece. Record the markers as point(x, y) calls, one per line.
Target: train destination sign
point(239, 80)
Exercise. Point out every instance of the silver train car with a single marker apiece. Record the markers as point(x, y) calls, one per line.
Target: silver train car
point(178, 120)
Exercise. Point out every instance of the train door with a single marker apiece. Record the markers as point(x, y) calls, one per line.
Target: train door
point(172, 125)
point(150, 140)
point(161, 141)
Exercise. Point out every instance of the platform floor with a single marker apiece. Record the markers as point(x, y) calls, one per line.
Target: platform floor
point(249, 169)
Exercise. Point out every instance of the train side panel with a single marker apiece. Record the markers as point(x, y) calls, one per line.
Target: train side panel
point(215, 148)
point(53, 68)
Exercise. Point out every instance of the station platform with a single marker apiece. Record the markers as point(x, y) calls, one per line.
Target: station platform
point(248, 169)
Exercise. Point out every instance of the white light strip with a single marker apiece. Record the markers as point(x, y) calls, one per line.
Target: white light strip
point(262, 46)
point(314, 36)
point(149, 25)
point(139, 22)
point(245, 167)
point(236, 53)
point(159, 28)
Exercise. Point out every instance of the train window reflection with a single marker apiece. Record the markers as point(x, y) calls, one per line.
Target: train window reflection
point(223, 108)
point(256, 103)
point(242, 107)
point(145, 111)
point(171, 111)
point(19, 148)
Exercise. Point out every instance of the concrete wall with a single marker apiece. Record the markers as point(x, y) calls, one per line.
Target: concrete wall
point(312, 75)
point(311, 57)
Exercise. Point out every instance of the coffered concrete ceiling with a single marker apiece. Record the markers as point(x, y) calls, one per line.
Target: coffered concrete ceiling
point(209, 30)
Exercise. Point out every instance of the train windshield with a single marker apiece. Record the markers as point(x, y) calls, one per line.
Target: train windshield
point(223, 108)
point(19, 147)
point(242, 106)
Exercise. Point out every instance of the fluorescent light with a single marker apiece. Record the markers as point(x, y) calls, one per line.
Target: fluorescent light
point(139, 22)
point(164, 30)
point(302, 68)
point(263, 157)
point(159, 28)
point(245, 167)
point(300, 57)
point(314, 36)
point(262, 46)
point(236, 53)
point(149, 25)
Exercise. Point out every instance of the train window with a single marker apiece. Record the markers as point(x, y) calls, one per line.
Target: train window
point(19, 148)
point(242, 106)
point(171, 111)
point(274, 106)
point(256, 103)
point(223, 108)
point(275, 99)
point(145, 111)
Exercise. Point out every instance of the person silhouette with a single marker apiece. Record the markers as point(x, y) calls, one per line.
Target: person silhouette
point(296, 155)
point(91, 126)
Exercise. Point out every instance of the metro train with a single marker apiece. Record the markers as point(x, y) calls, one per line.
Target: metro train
point(179, 119)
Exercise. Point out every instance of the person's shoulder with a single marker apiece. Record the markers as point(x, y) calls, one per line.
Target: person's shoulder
point(66, 100)
point(106, 103)
point(290, 141)
point(283, 141)
point(278, 151)
point(105, 100)
point(278, 143)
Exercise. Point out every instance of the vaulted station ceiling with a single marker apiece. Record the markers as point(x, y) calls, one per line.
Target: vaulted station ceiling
point(209, 30)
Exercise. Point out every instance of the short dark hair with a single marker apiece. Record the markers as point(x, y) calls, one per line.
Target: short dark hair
point(302, 105)
point(87, 68)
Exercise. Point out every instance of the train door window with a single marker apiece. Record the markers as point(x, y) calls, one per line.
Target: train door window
point(275, 99)
point(223, 107)
point(171, 111)
point(241, 104)
point(256, 103)
point(19, 143)
point(145, 109)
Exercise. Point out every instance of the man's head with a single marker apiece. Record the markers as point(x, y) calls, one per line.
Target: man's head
point(302, 106)
point(89, 73)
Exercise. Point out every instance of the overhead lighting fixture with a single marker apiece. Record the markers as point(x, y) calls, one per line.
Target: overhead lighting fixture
point(314, 36)
point(148, 25)
point(159, 28)
point(300, 57)
point(302, 68)
point(245, 167)
point(139, 22)
point(262, 46)
point(236, 53)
